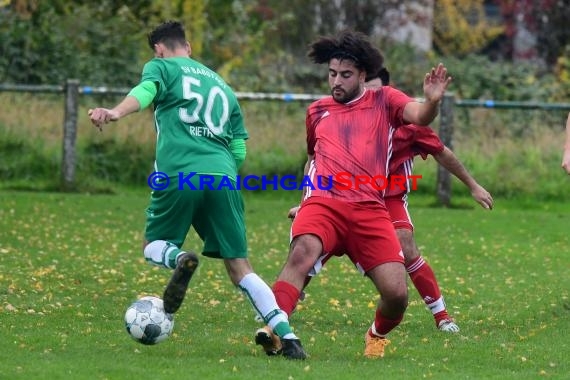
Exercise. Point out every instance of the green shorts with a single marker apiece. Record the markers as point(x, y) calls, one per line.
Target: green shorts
point(217, 215)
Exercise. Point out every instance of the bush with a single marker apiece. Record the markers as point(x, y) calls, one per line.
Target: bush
point(117, 162)
point(104, 48)
point(26, 160)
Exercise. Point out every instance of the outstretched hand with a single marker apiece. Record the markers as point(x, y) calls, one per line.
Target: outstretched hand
point(102, 116)
point(435, 83)
point(483, 197)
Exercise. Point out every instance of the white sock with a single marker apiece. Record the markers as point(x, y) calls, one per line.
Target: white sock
point(437, 306)
point(374, 332)
point(163, 253)
point(263, 300)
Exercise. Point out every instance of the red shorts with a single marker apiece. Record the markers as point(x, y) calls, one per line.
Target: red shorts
point(362, 230)
point(398, 209)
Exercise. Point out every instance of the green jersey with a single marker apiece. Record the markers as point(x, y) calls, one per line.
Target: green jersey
point(196, 116)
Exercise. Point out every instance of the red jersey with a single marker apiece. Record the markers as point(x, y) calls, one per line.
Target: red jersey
point(409, 141)
point(353, 139)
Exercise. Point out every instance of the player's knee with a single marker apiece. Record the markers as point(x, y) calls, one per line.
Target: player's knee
point(397, 298)
point(305, 251)
point(408, 245)
point(411, 253)
point(301, 258)
point(401, 302)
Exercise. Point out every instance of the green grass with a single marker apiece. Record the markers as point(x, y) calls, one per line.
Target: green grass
point(71, 263)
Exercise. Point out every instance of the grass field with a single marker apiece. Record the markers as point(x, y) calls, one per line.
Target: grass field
point(71, 263)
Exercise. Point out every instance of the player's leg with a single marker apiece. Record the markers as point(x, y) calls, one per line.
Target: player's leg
point(380, 257)
point(282, 338)
point(168, 221)
point(424, 280)
point(418, 269)
point(312, 224)
point(264, 335)
point(318, 227)
point(390, 281)
point(316, 268)
point(287, 289)
point(303, 253)
point(223, 229)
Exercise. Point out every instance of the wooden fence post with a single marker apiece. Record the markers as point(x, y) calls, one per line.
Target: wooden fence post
point(70, 134)
point(446, 136)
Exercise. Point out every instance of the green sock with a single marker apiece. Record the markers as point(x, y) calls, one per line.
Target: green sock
point(282, 329)
point(173, 255)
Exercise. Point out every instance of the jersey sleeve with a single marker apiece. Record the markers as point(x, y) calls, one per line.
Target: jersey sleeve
point(426, 142)
point(397, 101)
point(310, 126)
point(153, 71)
point(237, 124)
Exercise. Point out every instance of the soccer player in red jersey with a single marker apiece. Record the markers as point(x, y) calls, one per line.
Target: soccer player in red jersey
point(410, 141)
point(407, 142)
point(350, 132)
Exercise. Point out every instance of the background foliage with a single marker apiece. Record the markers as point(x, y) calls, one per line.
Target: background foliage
point(260, 45)
point(461, 27)
point(257, 45)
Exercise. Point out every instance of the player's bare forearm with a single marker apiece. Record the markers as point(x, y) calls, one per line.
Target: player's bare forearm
point(449, 161)
point(127, 106)
point(427, 112)
point(100, 116)
point(421, 114)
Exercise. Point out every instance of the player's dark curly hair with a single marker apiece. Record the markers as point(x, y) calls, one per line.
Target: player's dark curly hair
point(348, 44)
point(383, 74)
point(170, 33)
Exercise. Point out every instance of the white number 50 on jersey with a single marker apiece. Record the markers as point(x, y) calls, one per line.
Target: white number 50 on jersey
point(215, 91)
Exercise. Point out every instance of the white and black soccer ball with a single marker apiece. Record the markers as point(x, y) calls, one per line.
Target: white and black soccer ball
point(147, 322)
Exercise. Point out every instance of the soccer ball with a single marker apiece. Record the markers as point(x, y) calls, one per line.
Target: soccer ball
point(147, 322)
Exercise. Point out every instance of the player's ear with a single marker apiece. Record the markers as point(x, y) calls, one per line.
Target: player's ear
point(362, 76)
point(189, 48)
point(158, 51)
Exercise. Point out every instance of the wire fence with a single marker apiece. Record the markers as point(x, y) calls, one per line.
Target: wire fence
point(72, 91)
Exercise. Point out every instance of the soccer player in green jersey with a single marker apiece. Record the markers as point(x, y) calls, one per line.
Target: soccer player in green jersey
point(200, 133)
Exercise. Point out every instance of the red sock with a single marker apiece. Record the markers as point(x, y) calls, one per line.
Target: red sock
point(424, 280)
point(286, 295)
point(441, 316)
point(384, 325)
